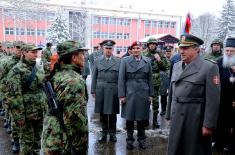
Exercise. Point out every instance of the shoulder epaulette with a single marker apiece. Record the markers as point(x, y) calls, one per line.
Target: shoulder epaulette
point(213, 61)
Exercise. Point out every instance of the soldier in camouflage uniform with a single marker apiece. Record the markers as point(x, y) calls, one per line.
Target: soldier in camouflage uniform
point(5, 68)
point(96, 54)
point(27, 100)
point(2, 52)
point(216, 51)
point(70, 89)
point(159, 63)
point(46, 53)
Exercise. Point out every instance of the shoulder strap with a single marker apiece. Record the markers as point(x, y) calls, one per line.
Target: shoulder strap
point(30, 79)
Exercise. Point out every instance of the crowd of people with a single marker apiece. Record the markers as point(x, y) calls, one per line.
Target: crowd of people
point(44, 101)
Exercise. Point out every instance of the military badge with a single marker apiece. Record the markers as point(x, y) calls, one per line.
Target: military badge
point(216, 80)
point(183, 38)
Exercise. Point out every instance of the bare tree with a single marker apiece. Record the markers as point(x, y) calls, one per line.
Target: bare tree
point(205, 27)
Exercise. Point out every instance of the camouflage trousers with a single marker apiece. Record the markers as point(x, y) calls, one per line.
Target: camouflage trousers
point(55, 141)
point(15, 128)
point(30, 136)
point(155, 104)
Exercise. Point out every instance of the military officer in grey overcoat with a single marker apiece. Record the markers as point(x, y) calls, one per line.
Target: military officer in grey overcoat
point(104, 88)
point(97, 52)
point(193, 101)
point(135, 90)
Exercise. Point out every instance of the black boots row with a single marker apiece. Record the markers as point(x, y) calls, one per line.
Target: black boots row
point(103, 138)
point(141, 140)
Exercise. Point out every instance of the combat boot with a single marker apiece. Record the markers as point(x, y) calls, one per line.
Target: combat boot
point(5, 124)
point(130, 140)
point(2, 112)
point(113, 138)
point(103, 138)
point(155, 122)
point(16, 146)
point(9, 130)
point(141, 139)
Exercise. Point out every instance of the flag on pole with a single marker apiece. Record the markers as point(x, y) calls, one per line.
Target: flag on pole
point(188, 24)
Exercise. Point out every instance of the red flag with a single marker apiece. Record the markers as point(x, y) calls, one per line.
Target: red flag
point(188, 25)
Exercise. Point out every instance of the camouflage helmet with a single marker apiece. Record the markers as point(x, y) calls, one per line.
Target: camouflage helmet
point(217, 41)
point(152, 41)
point(18, 44)
point(30, 47)
point(68, 47)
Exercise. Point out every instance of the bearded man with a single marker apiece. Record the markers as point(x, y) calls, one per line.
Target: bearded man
point(225, 135)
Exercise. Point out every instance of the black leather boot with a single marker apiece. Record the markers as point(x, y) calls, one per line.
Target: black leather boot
point(130, 140)
point(141, 139)
point(16, 146)
point(103, 138)
point(155, 122)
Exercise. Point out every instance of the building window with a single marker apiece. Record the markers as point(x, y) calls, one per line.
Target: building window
point(96, 34)
point(126, 36)
point(166, 24)
point(22, 31)
point(154, 24)
point(9, 31)
point(146, 35)
point(104, 20)
point(103, 35)
point(118, 49)
point(96, 20)
point(160, 24)
point(112, 36)
point(17, 31)
point(9, 13)
point(126, 22)
point(112, 21)
point(50, 16)
point(40, 32)
point(41, 16)
point(173, 24)
point(147, 23)
point(30, 32)
point(119, 35)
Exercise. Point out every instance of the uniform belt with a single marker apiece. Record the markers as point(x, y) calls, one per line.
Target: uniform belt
point(107, 81)
point(188, 100)
point(137, 76)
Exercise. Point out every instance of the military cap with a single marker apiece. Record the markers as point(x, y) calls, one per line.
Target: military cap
point(101, 43)
point(8, 44)
point(48, 44)
point(108, 43)
point(68, 47)
point(230, 42)
point(217, 41)
point(168, 48)
point(152, 41)
point(189, 40)
point(18, 43)
point(30, 47)
point(136, 43)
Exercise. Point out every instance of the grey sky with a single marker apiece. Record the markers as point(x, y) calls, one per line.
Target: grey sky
point(179, 7)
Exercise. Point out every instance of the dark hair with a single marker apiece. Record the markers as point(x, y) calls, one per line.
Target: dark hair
point(49, 44)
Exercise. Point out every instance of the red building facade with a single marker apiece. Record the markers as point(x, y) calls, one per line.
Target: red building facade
point(104, 24)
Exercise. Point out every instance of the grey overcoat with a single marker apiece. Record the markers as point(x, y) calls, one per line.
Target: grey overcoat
point(105, 85)
point(194, 103)
point(136, 84)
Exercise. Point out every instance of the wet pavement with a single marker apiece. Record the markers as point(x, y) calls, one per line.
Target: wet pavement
point(156, 139)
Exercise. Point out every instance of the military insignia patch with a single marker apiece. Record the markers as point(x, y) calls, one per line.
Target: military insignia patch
point(216, 80)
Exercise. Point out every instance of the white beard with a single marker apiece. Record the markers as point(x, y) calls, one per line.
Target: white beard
point(228, 61)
